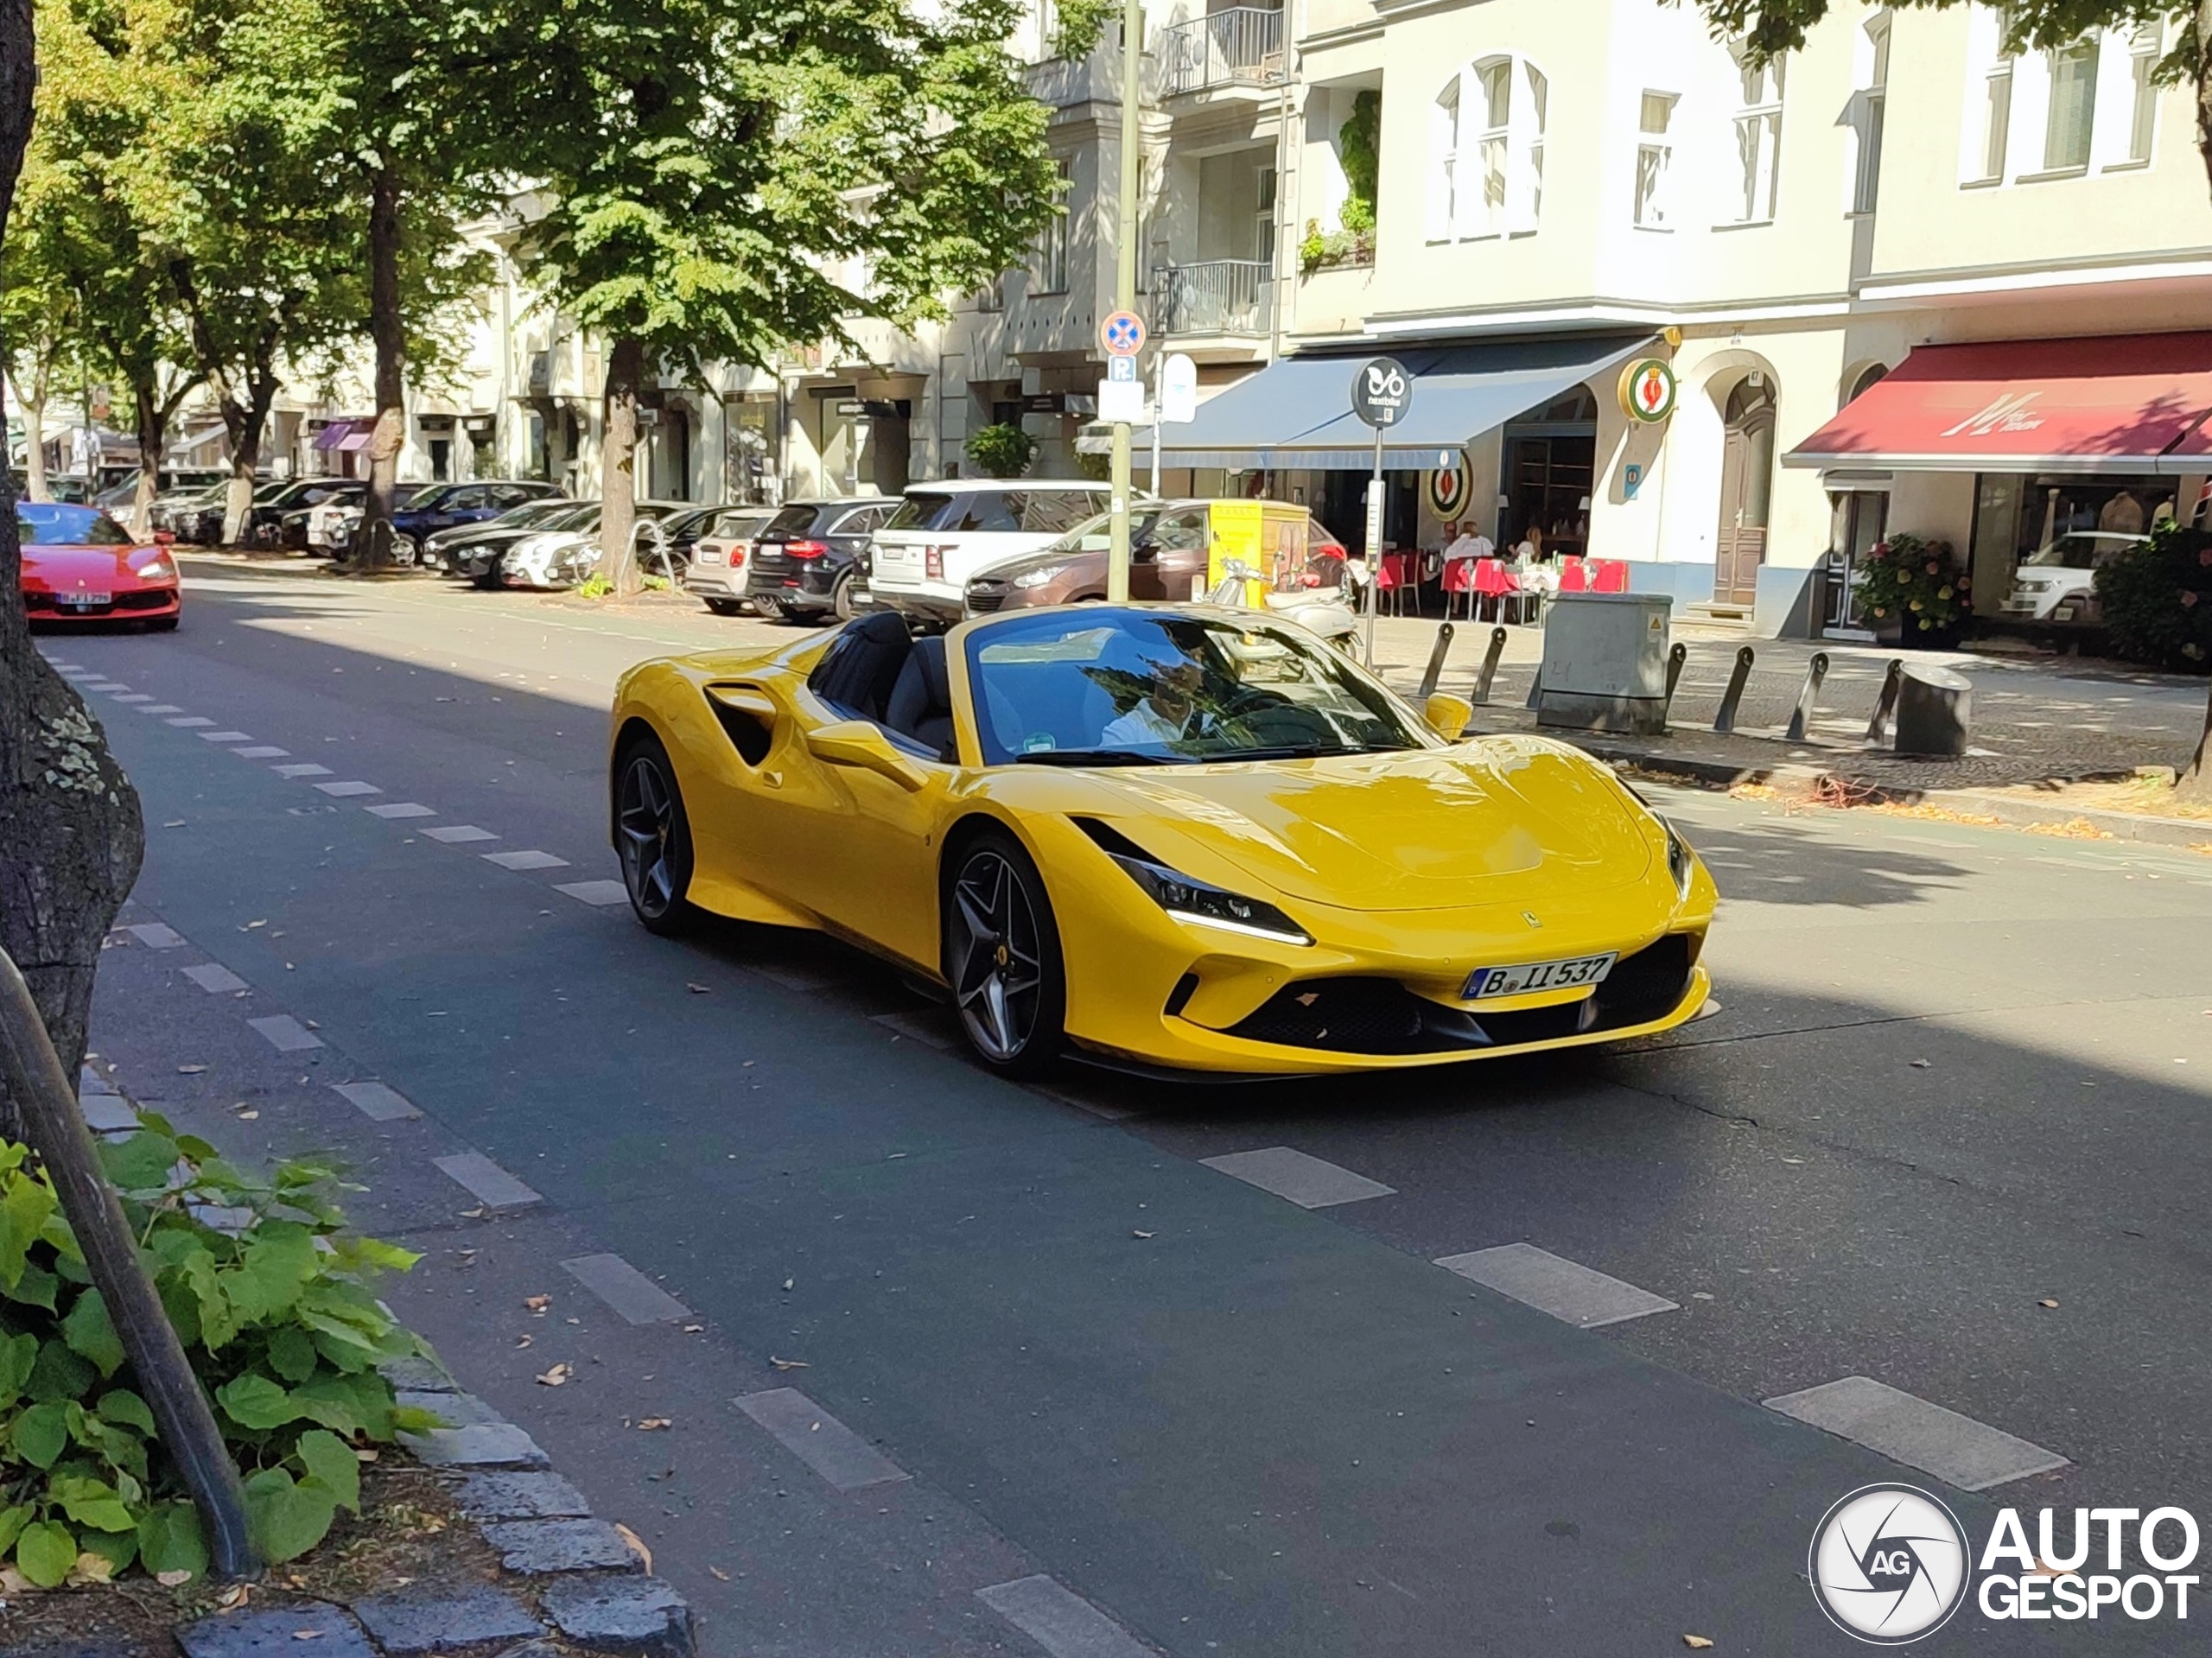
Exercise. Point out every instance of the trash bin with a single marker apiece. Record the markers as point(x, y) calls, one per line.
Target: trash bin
point(1935, 708)
point(1605, 664)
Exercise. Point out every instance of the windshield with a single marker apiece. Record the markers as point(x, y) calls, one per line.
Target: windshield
point(423, 500)
point(534, 514)
point(1146, 688)
point(1095, 534)
point(2084, 550)
point(46, 524)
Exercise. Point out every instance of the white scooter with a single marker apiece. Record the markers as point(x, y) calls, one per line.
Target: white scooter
point(1330, 618)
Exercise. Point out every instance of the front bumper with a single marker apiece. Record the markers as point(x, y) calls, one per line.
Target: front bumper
point(143, 605)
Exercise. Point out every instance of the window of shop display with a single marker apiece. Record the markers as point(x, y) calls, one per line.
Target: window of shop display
point(2043, 520)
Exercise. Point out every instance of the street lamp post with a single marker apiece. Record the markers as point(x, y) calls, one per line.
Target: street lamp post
point(1125, 287)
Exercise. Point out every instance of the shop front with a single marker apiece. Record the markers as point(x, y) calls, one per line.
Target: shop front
point(2056, 453)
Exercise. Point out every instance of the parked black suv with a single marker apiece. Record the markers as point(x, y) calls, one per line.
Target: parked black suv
point(807, 561)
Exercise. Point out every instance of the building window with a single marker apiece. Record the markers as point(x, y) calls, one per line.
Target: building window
point(2143, 62)
point(1052, 241)
point(2073, 107)
point(1867, 182)
point(1997, 103)
point(1653, 154)
point(1758, 136)
point(1486, 161)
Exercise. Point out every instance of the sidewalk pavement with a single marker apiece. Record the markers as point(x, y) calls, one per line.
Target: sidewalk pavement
point(2034, 718)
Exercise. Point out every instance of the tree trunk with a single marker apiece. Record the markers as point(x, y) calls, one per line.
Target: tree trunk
point(35, 484)
point(372, 541)
point(247, 424)
point(70, 834)
point(153, 437)
point(617, 465)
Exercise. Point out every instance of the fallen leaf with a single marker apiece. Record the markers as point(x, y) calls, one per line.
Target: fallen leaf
point(366, 1455)
point(538, 1303)
point(13, 1582)
point(788, 1282)
point(2046, 1302)
point(306, 1635)
point(1920, 1065)
point(251, 925)
point(235, 1596)
point(698, 989)
point(190, 1070)
point(786, 1364)
point(718, 1573)
point(557, 1376)
point(637, 1544)
point(526, 1341)
point(693, 1329)
point(1794, 1160)
point(174, 822)
point(171, 1580)
point(1696, 1642)
point(1136, 1234)
point(249, 1116)
point(651, 1423)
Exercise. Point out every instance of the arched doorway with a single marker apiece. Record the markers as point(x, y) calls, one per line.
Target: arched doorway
point(1746, 489)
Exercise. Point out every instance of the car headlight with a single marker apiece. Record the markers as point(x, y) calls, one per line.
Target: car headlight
point(1681, 862)
point(157, 568)
point(1039, 577)
point(1188, 898)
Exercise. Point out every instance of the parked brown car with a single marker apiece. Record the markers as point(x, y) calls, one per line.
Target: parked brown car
point(1169, 544)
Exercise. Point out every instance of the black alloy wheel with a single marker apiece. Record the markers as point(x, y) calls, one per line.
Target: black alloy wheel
point(841, 597)
point(1002, 957)
point(653, 837)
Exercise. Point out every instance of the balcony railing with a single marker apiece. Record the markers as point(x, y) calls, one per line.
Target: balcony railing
point(1241, 46)
point(1216, 296)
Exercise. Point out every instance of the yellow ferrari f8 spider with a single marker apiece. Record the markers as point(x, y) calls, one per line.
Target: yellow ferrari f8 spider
point(1162, 837)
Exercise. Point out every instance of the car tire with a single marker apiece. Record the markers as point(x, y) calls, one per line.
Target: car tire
point(724, 607)
point(164, 624)
point(406, 552)
point(489, 580)
point(841, 597)
point(1002, 957)
point(652, 837)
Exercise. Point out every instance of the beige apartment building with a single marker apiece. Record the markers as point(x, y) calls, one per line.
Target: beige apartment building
point(1565, 189)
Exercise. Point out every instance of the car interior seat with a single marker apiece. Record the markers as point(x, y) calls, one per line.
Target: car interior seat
point(858, 672)
point(921, 703)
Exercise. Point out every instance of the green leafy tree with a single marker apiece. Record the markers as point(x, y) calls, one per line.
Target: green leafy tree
point(1770, 27)
point(1003, 450)
point(38, 340)
point(726, 179)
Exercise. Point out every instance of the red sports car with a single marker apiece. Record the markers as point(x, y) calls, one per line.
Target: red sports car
point(80, 565)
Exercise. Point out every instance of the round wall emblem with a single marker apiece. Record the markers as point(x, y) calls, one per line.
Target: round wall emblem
point(1648, 389)
point(1889, 1565)
point(1448, 489)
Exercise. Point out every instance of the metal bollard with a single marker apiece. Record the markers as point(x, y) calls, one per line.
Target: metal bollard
point(1724, 721)
point(1490, 666)
point(1878, 728)
point(1801, 716)
point(1677, 655)
point(1436, 662)
point(1536, 688)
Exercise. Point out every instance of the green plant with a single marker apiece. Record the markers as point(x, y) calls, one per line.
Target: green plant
point(2157, 598)
point(1914, 581)
point(1359, 153)
point(275, 1313)
point(1317, 250)
point(1003, 450)
point(594, 586)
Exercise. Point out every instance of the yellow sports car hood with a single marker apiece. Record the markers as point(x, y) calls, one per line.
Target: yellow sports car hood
point(1425, 829)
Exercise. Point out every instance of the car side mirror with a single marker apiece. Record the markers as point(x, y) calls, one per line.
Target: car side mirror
point(856, 743)
point(165, 537)
point(1448, 716)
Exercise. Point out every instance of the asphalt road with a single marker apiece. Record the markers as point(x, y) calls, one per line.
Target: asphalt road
point(1956, 1074)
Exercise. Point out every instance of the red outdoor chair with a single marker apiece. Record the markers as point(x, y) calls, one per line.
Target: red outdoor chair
point(1459, 578)
point(1573, 575)
point(1495, 582)
point(1396, 575)
point(1610, 576)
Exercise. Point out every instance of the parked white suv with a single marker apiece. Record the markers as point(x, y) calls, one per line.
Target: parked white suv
point(2058, 582)
point(944, 532)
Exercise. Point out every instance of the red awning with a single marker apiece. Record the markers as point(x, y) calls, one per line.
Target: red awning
point(2117, 403)
point(351, 432)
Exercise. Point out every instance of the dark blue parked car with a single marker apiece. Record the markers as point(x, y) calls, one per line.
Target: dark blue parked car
point(442, 505)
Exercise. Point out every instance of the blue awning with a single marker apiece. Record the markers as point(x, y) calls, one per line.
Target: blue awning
point(1296, 412)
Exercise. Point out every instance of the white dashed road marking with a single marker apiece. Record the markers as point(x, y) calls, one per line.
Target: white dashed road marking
point(135, 697)
point(261, 752)
point(401, 809)
point(156, 935)
point(343, 790)
point(301, 769)
point(1966, 1453)
point(285, 1033)
point(1567, 1290)
point(162, 708)
point(454, 834)
point(378, 1101)
point(525, 860)
point(600, 894)
point(1306, 1181)
point(192, 720)
point(224, 737)
point(1060, 1620)
point(820, 1441)
point(214, 978)
point(629, 1292)
point(486, 1181)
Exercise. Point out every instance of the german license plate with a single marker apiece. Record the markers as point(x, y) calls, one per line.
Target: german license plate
point(86, 599)
point(1525, 978)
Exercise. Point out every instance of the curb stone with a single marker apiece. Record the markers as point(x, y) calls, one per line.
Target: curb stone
point(591, 1584)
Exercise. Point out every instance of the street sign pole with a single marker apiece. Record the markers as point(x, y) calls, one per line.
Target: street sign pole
point(1125, 286)
point(1381, 393)
point(1374, 549)
point(1159, 413)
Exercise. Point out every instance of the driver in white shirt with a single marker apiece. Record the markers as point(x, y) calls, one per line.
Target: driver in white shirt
point(1162, 717)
